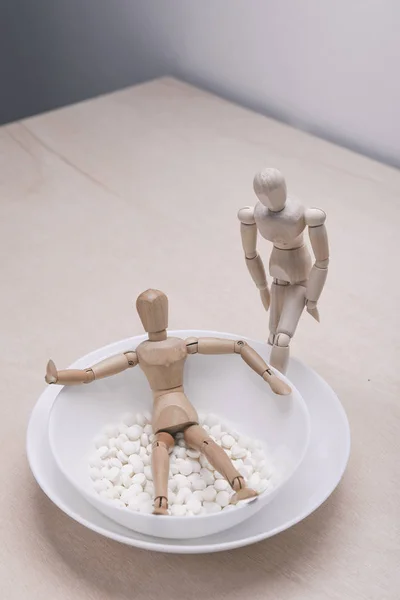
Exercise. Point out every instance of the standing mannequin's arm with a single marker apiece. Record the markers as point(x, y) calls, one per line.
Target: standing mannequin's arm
point(248, 354)
point(105, 368)
point(315, 219)
point(248, 231)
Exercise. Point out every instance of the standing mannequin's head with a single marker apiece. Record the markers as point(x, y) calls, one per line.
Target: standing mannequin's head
point(270, 188)
point(152, 307)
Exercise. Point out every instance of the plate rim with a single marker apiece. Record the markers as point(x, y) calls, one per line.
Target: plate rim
point(158, 545)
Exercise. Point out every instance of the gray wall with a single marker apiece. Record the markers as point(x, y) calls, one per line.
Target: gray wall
point(55, 52)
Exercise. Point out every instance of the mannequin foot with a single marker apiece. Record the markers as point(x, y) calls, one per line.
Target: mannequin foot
point(160, 506)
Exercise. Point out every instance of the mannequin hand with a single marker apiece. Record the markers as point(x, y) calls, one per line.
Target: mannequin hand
point(277, 385)
point(312, 309)
point(51, 373)
point(265, 297)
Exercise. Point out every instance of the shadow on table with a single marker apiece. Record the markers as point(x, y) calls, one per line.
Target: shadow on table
point(121, 571)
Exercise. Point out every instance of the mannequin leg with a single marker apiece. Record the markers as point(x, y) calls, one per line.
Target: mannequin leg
point(160, 467)
point(293, 306)
point(278, 289)
point(196, 437)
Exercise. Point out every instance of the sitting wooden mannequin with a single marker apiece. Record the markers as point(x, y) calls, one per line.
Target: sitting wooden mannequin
point(162, 360)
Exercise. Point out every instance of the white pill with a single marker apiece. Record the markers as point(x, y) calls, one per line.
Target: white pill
point(193, 506)
point(134, 432)
point(146, 459)
point(122, 457)
point(121, 440)
point(183, 495)
point(245, 471)
point(171, 497)
point(178, 510)
point(134, 490)
point(117, 502)
point(149, 449)
point(237, 463)
point(113, 474)
point(95, 473)
point(119, 489)
point(209, 494)
point(148, 472)
point(133, 504)
point(115, 462)
point(198, 495)
point(140, 419)
point(149, 488)
point(127, 470)
point(102, 484)
point(194, 477)
point(192, 453)
point(122, 428)
point(96, 461)
point(211, 420)
point(173, 469)
point(144, 439)
point(198, 484)
point(132, 447)
point(196, 466)
point(216, 431)
point(126, 480)
point(227, 441)
point(235, 434)
point(181, 443)
point(218, 475)
point(254, 480)
point(211, 507)
point(181, 452)
point(146, 508)
point(181, 480)
point(223, 498)
point(143, 497)
point(147, 429)
point(111, 431)
point(238, 451)
point(172, 484)
point(103, 452)
point(136, 463)
point(221, 484)
point(100, 440)
point(112, 452)
point(112, 443)
point(185, 468)
point(139, 478)
point(207, 476)
point(128, 419)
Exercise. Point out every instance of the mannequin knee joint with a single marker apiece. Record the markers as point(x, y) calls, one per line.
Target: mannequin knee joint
point(282, 340)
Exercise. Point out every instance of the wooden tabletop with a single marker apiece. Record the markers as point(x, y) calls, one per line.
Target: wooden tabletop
point(139, 189)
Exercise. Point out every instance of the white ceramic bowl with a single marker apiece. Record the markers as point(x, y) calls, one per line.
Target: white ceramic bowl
point(223, 385)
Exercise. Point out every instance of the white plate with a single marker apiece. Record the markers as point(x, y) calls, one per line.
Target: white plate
point(315, 480)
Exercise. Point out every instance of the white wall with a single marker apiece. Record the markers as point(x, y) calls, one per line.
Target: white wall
point(331, 67)
point(55, 52)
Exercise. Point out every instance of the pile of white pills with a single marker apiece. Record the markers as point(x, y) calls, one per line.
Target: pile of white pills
point(120, 468)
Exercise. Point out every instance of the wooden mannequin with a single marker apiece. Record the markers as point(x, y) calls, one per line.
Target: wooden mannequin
point(296, 282)
point(162, 360)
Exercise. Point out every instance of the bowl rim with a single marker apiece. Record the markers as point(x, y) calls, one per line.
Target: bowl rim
point(92, 495)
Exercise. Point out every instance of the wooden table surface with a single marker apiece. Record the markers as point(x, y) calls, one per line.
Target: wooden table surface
point(139, 189)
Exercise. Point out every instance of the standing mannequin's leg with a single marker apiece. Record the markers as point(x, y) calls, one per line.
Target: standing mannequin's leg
point(160, 467)
point(278, 289)
point(293, 306)
point(196, 437)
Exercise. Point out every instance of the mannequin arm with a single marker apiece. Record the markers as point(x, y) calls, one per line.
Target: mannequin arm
point(248, 354)
point(248, 231)
point(105, 368)
point(315, 219)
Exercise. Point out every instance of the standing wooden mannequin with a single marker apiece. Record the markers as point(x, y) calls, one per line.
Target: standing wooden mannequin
point(162, 360)
point(296, 282)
